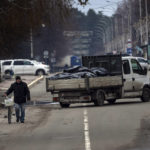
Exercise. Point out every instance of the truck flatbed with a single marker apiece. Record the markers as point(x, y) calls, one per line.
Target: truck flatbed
point(83, 84)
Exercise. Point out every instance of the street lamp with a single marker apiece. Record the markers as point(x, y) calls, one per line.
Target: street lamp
point(31, 42)
point(146, 11)
point(43, 25)
point(141, 30)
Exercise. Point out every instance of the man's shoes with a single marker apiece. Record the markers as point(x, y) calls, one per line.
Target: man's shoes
point(22, 121)
point(17, 120)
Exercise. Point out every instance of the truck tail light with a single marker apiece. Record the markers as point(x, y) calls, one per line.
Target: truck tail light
point(55, 99)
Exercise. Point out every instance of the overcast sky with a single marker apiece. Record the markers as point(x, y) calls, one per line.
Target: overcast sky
point(107, 6)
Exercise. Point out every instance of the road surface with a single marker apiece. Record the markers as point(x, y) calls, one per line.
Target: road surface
point(123, 126)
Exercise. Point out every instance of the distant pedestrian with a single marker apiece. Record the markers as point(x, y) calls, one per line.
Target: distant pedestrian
point(21, 95)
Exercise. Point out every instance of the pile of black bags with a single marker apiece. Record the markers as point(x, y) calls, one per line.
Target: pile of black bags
point(80, 72)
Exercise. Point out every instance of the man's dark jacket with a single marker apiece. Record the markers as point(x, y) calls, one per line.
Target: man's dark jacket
point(21, 92)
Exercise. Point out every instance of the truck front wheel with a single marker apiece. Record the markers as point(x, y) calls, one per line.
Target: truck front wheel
point(63, 105)
point(100, 98)
point(146, 95)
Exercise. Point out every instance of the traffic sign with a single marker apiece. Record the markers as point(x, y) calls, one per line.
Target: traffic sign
point(129, 51)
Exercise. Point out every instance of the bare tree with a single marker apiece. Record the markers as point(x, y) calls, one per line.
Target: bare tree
point(17, 17)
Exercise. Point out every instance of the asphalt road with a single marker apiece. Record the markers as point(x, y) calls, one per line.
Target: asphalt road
point(123, 126)
point(38, 92)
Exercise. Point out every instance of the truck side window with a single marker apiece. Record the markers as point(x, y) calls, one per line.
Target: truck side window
point(136, 67)
point(126, 67)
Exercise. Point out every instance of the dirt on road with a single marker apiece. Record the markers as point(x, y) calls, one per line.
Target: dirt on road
point(35, 117)
point(142, 137)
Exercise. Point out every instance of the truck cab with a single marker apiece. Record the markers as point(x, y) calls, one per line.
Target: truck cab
point(135, 78)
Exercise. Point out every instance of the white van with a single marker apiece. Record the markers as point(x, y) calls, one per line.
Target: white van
point(24, 66)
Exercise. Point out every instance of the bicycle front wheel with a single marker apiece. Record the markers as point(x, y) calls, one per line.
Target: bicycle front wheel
point(9, 114)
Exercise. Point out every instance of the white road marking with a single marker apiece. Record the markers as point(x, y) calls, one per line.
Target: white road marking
point(86, 131)
point(85, 119)
point(35, 81)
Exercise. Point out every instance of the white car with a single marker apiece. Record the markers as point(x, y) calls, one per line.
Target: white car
point(143, 62)
point(24, 66)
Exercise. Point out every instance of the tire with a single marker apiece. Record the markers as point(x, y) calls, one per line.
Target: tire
point(146, 95)
point(63, 105)
point(40, 72)
point(8, 73)
point(9, 114)
point(100, 98)
point(111, 101)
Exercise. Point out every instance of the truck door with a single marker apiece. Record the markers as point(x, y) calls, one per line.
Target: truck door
point(139, 79)
point(127, 77)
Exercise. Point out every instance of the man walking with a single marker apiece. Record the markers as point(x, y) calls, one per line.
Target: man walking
point(21, 94)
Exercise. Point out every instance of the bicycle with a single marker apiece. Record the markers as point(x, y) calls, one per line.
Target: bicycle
point(9, 103)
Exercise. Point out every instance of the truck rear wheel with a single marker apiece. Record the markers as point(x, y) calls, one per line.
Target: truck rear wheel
point(63, 105)
point(111, 101)
point(146, 95)
point(100, 98)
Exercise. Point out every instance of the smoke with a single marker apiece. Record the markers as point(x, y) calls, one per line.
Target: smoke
point(64, 61)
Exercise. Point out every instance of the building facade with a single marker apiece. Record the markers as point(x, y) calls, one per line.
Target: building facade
point(130, 28)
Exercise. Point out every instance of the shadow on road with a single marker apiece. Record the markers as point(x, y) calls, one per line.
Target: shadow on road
point(142, 138)
point(106, 105)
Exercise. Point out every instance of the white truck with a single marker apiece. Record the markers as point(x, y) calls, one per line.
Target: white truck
point(126, 79)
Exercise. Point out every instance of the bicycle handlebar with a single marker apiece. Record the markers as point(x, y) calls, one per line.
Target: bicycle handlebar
point(4, 96)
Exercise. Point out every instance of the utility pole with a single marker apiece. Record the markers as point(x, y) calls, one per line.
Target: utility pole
point(129, 42)
point(141, 30)
point(120, 16)
point(146, 11)
point(130, 20)
point(123, 38)
point(31, 42)
point(1, 71)
point(112, 30)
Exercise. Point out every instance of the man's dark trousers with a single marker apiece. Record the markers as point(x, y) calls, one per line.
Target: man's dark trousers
point(20, 111)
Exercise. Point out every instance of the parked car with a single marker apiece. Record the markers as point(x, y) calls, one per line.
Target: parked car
point(143, 62)
point(24, 66)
